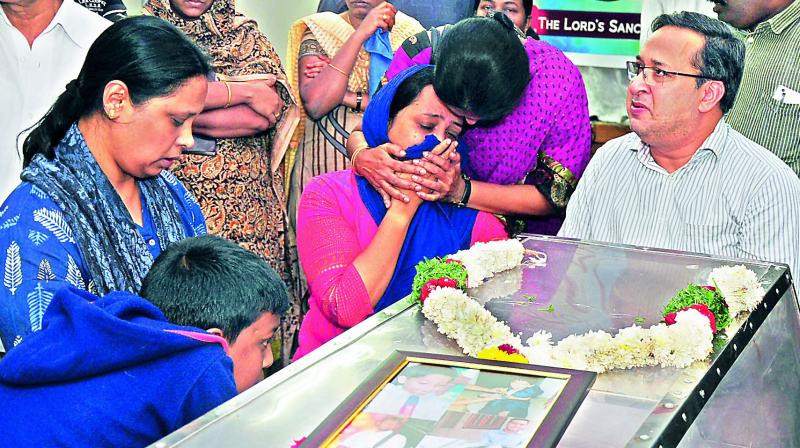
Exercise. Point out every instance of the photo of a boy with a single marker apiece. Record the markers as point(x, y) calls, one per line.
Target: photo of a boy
point(512, 435)
point(419, 392)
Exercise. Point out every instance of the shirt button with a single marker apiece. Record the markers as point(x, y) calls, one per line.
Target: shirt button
point(750, 40)
point(151, 242)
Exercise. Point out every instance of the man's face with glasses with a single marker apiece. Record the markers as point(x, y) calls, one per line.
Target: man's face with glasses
point(663, 97)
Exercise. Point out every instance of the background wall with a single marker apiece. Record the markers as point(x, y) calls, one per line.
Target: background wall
point(274, 17)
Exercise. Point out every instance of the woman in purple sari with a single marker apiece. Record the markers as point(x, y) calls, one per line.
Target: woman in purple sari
point(531, 138)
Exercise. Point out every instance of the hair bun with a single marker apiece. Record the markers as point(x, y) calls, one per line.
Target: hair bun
point(73, 87)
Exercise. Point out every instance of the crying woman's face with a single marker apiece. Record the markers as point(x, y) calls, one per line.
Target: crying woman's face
point(426, 115)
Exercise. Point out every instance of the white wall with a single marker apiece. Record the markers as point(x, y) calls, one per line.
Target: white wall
point(274, 17)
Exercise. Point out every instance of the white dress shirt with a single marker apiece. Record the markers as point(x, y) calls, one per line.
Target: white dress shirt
point(734, 198)
point(32, 77)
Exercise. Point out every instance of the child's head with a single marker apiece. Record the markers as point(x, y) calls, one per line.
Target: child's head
point(212, 283)
point(516, 425)
point(422, 380)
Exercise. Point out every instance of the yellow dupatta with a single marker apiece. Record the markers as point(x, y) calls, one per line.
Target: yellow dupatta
point(331, 31)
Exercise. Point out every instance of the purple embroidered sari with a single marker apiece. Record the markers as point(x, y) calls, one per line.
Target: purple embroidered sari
point(545, 141)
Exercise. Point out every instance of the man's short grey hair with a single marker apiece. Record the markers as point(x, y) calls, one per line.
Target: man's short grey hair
point(722, 56)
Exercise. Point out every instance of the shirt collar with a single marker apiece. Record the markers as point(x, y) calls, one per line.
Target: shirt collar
point(714, 143)
point(4, 19)
point(71, 17)
point(783, 19)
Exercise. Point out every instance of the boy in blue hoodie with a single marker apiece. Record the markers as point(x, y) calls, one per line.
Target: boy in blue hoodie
point(113, 371)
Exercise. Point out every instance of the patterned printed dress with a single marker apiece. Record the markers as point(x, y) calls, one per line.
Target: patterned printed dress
point(241, 188)
point(40, 255)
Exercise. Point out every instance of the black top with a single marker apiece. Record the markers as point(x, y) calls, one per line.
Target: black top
point(112, 10)
point(427, 12)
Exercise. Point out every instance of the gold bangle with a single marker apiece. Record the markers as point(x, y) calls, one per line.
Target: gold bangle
point(355, 154)
point(338, 70)
point(230, 94)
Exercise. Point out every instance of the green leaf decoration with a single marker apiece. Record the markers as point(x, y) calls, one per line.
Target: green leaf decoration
point(530, 298)
point(436, 268)
point(694, 294)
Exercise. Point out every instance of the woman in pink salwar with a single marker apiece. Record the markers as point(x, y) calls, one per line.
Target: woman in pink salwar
point(358, 256)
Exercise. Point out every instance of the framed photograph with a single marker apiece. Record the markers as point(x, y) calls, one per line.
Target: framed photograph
point(425, 400)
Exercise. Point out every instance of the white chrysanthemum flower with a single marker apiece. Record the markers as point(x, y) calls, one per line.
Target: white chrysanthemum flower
point(683, 343)
point(691, 337)
point(539, 349)
point(572, 352)
point(661, 338)
point(634, 346)
point(739, 286)
point(483, 260)
point(540, 338)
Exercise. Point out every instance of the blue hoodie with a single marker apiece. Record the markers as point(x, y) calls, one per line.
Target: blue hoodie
point(104, 372)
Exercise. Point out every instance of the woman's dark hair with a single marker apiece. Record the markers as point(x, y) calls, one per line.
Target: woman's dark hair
point(481, 67)
point(528, 5)
point(409, 89)
point(210, 282)
point(152, 58)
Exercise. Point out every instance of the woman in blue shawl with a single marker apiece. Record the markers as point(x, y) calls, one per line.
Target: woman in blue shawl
point(96, 205)
point(358, 256)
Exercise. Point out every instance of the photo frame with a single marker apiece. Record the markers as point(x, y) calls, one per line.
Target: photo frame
point(430, 400)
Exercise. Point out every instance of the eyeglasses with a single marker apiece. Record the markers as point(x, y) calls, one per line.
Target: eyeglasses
point(658, 75)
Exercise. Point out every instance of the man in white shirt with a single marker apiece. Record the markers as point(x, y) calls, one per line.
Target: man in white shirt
point(684, 179)
point(42, 47)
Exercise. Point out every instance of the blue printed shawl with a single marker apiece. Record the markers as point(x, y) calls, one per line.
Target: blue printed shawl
point(114, 250)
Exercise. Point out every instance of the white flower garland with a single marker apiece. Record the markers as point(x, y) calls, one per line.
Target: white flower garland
point(474, 328)
point(678, 345)
point(483, 260)
point(471, 325)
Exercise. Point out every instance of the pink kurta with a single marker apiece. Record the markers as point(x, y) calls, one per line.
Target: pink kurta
point(333, 228)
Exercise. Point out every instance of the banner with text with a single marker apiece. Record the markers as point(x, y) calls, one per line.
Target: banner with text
point(591, 32)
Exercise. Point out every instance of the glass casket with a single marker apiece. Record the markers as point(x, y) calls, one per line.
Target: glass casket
point(746, 394)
